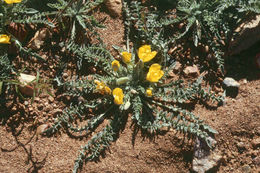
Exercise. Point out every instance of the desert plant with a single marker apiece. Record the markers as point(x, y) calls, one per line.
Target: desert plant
point(135, 84)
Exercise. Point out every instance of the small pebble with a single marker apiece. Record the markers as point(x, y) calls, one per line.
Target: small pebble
point(26, 103)
point(51, 99)
point(256, 142)
point(256, 161)
point(41, 129)
point(246, 169)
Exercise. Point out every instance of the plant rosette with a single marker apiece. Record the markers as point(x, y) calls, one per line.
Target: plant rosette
point(134, 85)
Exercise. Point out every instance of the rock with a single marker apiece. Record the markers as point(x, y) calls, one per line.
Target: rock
point(26, 86)
point(241, 145)
point(249, 35)
point(230, 82)
point(47, 108)
point(30, 109)
point(256, 161)
point(26, 103)
point(231, 86)
point(192, 71)
point(114, 7)
point(51, 99)
point(39, 106)
point(246, 169)
point(177, 66)
point(204, 158)
point(244, 81)
point(41, 129)
point(256, 142)
point(44, 57)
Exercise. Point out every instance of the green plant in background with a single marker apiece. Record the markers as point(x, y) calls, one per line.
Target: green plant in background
point(136, 85)
point(15, 13)
point(75, 17)
point(204, 22)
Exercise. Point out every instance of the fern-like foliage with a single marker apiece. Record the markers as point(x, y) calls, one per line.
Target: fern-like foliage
point(20, 13)
point(5, 67)
point(79, 15)
point(96, 55)
point(93, 105)
point(211, 23)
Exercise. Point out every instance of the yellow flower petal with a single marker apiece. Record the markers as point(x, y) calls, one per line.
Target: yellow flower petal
point(12, 1)
point(5, 39)
point(145, 53)
point(115, 65)
point(149, 92)
point(126, 56)
point(155, 73)
point(118, 96)
point(102, 88)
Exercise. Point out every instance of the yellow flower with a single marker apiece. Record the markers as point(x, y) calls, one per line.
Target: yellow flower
point(102, 88)
point(145, 53)
point(4, 39)
point(155, 73)
point(118, 96)
point(149, 92)
point(115, 65)
point(126, 57)
point(12, 1)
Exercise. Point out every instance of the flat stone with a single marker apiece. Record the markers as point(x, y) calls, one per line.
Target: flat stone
point(230, 82)
point(204, 158)
point(231, 86)
point(246, 169)
point(26, 78)
point(191, 71)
